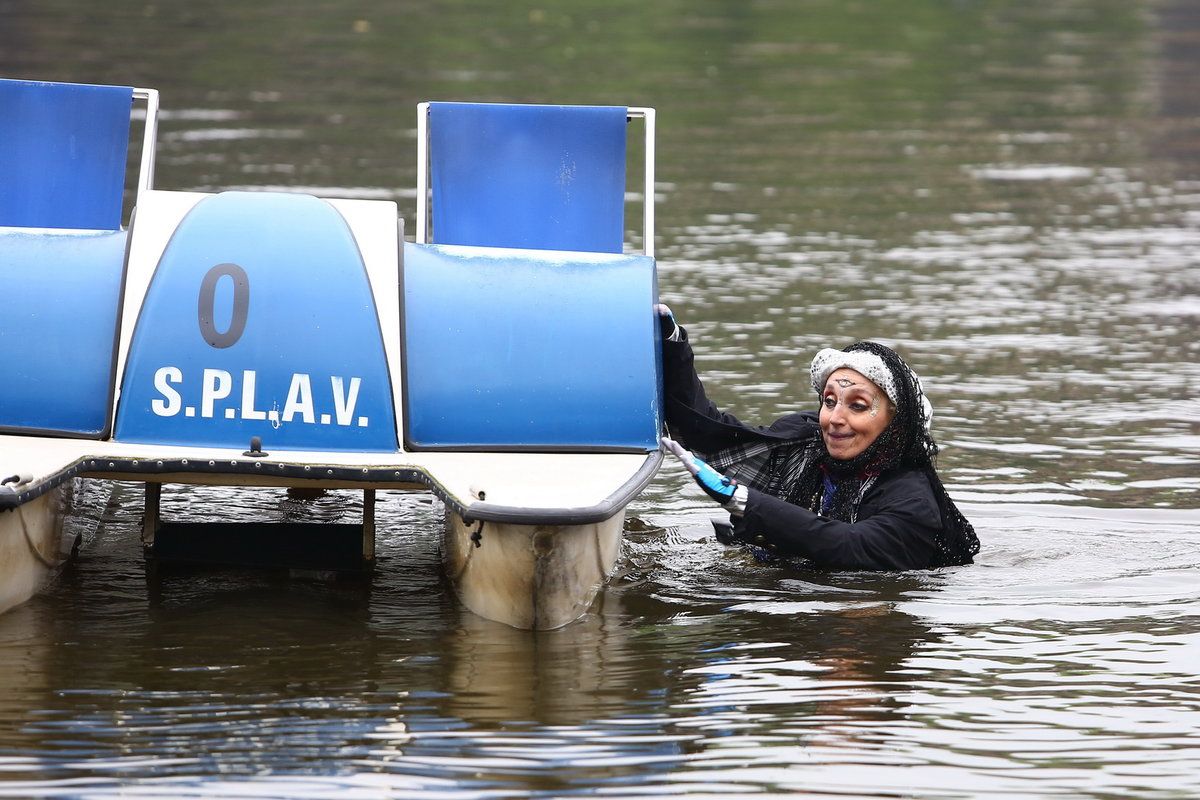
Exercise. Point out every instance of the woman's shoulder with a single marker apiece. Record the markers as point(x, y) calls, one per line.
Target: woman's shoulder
point(797, 425)
point(905, 489)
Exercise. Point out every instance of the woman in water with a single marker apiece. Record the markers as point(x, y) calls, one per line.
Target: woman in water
point(852, 487)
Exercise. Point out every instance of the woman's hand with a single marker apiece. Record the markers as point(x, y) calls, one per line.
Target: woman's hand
point(722, 488)
point(666, 322)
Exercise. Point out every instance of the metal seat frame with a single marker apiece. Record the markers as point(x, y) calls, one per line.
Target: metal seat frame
point(149, 139)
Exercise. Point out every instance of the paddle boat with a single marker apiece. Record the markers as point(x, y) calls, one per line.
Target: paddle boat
point(505, 360)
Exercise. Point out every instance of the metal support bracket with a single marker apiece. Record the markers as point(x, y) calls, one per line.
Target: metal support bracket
point(151, 521)
point(368, 526)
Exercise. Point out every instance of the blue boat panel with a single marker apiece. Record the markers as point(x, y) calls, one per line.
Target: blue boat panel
point(259, 321)
point(58, 326)
point(525, 349)
point(63, 160)
point(528, 176)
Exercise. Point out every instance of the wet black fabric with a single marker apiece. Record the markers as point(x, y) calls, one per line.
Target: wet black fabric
point(898, 523)
point(897, 528)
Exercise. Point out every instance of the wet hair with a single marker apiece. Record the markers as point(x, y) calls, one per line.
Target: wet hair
point(834, 488)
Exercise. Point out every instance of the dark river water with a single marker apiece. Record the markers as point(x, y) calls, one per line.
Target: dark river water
point(1009, 193)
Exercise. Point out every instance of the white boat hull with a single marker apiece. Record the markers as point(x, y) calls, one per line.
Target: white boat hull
point(34, 545)
point(535, 577)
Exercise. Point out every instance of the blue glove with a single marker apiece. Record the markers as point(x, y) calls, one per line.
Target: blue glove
point(722, 488)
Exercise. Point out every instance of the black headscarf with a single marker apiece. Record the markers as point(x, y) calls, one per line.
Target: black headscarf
point(834, 488)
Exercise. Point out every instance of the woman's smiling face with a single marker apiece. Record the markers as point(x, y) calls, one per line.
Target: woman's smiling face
point(854, 411)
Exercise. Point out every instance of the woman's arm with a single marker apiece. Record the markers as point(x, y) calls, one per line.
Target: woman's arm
point(695, 421)
point(684, 392)
point(900, 535)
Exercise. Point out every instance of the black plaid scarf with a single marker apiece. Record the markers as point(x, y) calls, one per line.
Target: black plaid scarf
point(775, 468)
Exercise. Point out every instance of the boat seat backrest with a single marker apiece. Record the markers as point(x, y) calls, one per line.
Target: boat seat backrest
point(528, 176)
point(62, 164)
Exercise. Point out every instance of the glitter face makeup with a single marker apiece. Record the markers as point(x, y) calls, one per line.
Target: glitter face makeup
point(855, 397)
point(854, 412)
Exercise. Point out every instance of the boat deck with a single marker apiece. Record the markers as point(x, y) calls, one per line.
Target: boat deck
point(522, 488)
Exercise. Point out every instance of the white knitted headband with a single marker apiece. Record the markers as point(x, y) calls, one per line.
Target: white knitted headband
point(870, 366)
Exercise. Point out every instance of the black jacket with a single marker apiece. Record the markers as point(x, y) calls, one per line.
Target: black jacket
point(898, 520)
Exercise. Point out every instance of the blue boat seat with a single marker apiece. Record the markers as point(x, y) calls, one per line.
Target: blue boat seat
point(509, 350)
point(63, 160)
point(58, 330)
point(526, 176)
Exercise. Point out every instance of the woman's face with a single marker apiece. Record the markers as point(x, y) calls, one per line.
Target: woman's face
point(854, 411)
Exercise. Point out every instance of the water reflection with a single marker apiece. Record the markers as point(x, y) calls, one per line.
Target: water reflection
point(826, 670)
point(700, 670)
point(497, 674)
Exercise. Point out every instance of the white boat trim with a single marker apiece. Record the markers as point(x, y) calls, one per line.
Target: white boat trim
point(516, 488)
